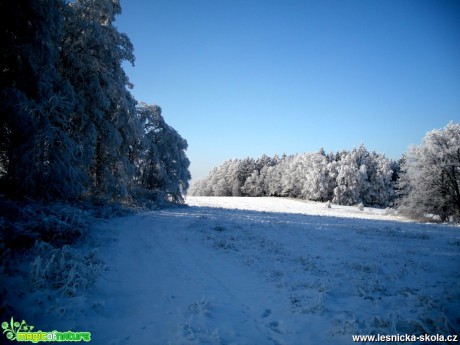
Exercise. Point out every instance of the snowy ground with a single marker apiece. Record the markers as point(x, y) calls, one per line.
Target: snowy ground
point(297, 206)
point(262, 271)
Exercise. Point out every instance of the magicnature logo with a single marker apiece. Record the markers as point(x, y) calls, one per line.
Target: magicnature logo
point(23, 332)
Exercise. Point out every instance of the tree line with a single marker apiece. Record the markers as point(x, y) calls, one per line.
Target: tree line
point(346, 177)
point(424, 182)
point(70, 127)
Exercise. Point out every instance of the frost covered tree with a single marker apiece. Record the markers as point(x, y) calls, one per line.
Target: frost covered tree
point(380, 183)
point(92, 54)
point(257, 183)
point(430, 175)
point(234, 177)
point(363, 177)
point(217, 181)
point(162, 164)
point(39, 154)
point(274, 179)
point(349, 181)
point(253, 186)
point(332, 172)
point(69, 126)
point(224, 178)
point(291, 178)
point(244, 169)
point(316, 178)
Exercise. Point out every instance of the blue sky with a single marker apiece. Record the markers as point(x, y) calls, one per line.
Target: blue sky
point(245, 78)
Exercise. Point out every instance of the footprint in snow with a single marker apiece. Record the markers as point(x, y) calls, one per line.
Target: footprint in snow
point(266, 313)
point(275, 327)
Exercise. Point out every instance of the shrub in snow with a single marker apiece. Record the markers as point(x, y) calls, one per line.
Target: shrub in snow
point(101, 208)
point(67, 269)
point(361, 206)
point(60, 224)
point(22, 224)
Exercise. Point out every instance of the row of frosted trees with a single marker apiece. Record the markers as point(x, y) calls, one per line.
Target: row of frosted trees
point(69, 126)
point(346, 178)
point(425, 182)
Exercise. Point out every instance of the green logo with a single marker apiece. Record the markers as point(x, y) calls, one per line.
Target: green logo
point(23, 332)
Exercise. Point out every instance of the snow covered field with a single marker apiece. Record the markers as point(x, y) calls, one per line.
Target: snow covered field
point(287, 205)
point(261, 271)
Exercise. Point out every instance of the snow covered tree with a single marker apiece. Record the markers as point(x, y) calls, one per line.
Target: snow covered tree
point(380, 186)
point(39, 154)
point(197, 188)
point(223, 180)
point(315, 181)
point(253, 185)
point(274, 179)
point(362, 177)
point(430, 175)
point(349, 180)
point(92, 54)
point(163, 165)
point(292, 176)
point(69, 126)
point(332, 172)
point(243, 171)
point(257, 183)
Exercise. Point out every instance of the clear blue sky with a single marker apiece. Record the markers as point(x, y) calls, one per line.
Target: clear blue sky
point(240, 78)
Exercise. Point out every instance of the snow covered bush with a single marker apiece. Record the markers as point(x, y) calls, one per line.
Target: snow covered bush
point(58, 224)
point(66, 269)
point(23, 223)
point(40, 249)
